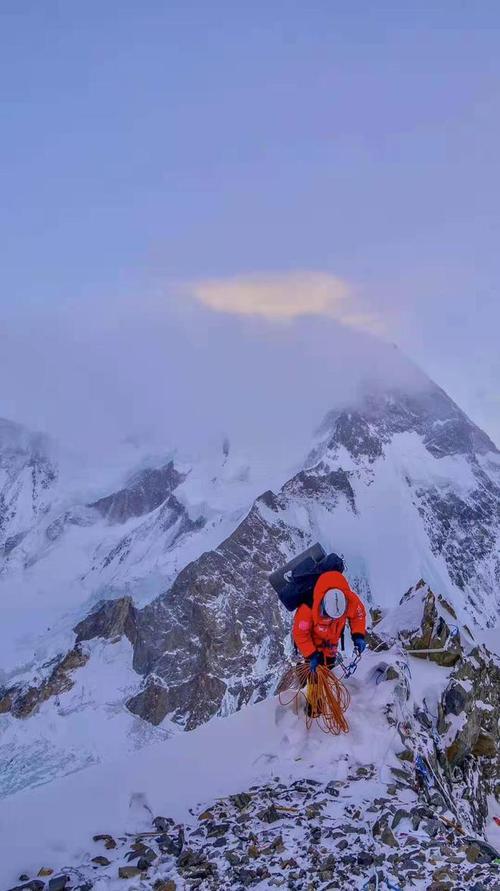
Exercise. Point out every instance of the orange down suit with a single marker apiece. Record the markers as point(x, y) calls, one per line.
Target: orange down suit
point(312, 631)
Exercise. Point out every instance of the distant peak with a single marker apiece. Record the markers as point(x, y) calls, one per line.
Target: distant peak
point(17, 438)
point(380, 413)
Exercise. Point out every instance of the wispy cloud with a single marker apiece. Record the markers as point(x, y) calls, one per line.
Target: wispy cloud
point(285, 296)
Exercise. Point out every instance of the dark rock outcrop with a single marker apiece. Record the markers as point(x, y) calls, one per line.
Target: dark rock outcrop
point(433, 632)
point(152, 703)
point(111, 619)
point(145, 492)
point(473, 696)
point(220, 614)
point(22, 701)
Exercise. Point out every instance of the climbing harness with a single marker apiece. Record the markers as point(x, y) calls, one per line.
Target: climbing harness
point(325, 700)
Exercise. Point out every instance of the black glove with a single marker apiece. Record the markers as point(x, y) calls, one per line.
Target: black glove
point(359, 642)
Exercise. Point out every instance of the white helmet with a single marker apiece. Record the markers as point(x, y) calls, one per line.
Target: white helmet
point(334, 603)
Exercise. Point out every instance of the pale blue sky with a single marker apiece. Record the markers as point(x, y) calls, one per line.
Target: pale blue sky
point(148, 144)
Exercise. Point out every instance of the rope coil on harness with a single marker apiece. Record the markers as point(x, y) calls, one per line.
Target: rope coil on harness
point(325, 700)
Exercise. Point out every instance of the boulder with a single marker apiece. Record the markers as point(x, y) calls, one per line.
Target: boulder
point(152, 703)
point(473, 696)
point(128, 872)
point(33, 885)
point(58, 883)
point(427, 627)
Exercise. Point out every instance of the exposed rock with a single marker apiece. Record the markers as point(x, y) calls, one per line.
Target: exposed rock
point(454, 699)
point(433, 633)
point(143, 864)
point(485, 746)
point(163, 824)
point(473, 693)
point(401, 814)
point(128, 872)
point(241, 801)
point(109, 842)
point(58, 883)
point(23, 701)
point(33, 885)
point(431, 827)
point(111, 619)
point(391, 673)
point(269, 814)
point(145, 492)
point(387, 837)
point(473, 853)
point(447, 606)
point(6, 699)
point(152, 702)
point(215, 830)
point(486, 851)
point(405, 755)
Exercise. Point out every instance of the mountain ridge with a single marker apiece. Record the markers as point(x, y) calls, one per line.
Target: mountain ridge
point(397, 496)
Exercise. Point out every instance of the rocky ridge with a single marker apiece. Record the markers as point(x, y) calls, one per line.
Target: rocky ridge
point(209, 643)
point(305, 835)
point(223, 597)
point(416, 819)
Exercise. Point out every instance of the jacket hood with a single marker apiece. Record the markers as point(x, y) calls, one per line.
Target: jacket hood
point(326, 581)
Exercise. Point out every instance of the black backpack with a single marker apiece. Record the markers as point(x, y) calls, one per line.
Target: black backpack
point(294, 582)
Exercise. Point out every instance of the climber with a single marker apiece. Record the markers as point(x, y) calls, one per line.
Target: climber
point(318, 624)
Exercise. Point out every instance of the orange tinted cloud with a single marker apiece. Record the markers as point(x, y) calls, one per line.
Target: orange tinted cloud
point(279, 297)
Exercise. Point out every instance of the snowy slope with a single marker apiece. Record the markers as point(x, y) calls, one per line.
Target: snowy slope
point(105, 532)
point(28, 474)
point(266, 750)
point(218, 759)
point(402, 484)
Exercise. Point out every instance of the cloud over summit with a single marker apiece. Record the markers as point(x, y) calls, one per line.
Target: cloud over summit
point(285, 296)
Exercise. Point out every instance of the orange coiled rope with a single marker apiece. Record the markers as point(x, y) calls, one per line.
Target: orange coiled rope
point(325, 698)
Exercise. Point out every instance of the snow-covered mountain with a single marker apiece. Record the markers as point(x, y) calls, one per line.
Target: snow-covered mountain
point(135, 604)
point(73, 535)
point(405, 487)
point(172, 563)
point(28, 473)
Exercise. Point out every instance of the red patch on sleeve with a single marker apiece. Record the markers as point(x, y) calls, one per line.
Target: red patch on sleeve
point(304, 626)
